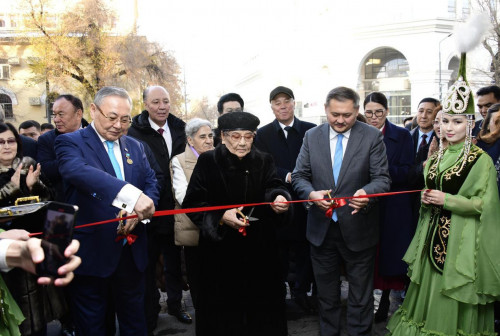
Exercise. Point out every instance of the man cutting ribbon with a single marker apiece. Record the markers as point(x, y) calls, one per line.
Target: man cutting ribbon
point(105, 171)
point(350, 156)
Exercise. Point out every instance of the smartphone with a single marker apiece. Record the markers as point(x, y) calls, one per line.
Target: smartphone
point(57, 235)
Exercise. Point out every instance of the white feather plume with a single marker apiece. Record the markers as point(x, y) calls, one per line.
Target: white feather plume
point(469, 34)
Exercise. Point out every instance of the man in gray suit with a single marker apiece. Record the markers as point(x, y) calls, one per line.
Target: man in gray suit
point(346, 158)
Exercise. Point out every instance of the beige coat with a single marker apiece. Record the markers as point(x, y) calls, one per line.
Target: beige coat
point(186, 233)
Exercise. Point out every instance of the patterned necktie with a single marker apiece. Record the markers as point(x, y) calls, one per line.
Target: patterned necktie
point(337, 163)
point(423, 143)
point(112, 158)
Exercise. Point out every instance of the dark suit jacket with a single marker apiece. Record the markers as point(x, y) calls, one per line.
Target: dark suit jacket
point(46, 156)
point(142, 131)
point(416, 176)
point(271, 139)
point(91, 184)
point(29, 146)
point(364, 166)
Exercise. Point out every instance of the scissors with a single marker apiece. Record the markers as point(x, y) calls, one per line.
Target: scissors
point(246, 220)
point(121, 224)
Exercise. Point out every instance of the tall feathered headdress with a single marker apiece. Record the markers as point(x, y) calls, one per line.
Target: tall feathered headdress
point(460, 100)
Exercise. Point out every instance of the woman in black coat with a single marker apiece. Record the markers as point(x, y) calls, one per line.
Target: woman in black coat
point(396, 229)
point(241, 291)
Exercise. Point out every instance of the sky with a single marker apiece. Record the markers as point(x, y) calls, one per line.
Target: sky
point(211, 39)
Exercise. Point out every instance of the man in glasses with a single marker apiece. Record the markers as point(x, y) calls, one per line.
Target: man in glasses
point(164, 133)
point(282, 138)
point(105, 174)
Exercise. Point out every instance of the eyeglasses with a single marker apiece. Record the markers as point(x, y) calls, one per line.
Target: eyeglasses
point(10, 142)
point(378, 113)
point(235, 136)
point(124, 121)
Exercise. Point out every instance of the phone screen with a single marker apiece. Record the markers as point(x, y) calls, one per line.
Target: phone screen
point(57, 235)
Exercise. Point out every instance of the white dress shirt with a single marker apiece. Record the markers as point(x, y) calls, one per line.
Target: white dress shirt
point(129, 194)
point(333, 143)
point(166, 134)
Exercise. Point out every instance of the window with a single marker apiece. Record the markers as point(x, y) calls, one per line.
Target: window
point(2, 23)
point(386, 63)
point(4, 70)
point(6, 104)
point(386, 70)
point(453, 66)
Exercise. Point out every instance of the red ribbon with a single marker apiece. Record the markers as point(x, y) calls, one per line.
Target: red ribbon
point(334, 205)
point(232, 206)
point(131, 238)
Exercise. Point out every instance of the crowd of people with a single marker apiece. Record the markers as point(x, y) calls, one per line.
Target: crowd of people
point(438, 245)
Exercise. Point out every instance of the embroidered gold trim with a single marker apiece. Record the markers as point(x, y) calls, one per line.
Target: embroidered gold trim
point(443, 233)
point(457, 168)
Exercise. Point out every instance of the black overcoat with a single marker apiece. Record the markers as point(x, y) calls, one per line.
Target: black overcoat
point(241, 289)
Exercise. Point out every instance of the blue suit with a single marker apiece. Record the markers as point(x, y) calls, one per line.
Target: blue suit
point(107, 265)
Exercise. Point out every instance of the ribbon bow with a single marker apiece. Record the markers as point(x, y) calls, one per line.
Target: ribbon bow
point(131, 238)
point(334, 204)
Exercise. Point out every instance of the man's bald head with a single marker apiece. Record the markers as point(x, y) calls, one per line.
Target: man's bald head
point(157, 103)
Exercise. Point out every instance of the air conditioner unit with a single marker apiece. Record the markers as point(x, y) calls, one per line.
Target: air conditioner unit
point(35, 101)
point(14, 60)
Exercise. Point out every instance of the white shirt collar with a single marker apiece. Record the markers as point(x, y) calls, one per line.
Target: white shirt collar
point(100, 136)
point(333, 133)
point(283, 125)
point(155, 126)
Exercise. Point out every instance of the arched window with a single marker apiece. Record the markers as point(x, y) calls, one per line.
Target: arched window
point(6, 104)
point(453, 66)
point(2, 23)
point(386, 70)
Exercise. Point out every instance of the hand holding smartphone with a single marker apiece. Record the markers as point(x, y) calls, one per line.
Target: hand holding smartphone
point(57, 235)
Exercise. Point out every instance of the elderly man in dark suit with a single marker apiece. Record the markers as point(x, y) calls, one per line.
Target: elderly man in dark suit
point(343, 157)
point(164, 133)
point(282, 138)
point(106, 173)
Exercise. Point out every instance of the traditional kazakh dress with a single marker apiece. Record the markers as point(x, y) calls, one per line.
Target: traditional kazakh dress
point(454, 257)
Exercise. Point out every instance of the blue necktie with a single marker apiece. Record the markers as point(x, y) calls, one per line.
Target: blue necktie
point(337, 163)
point(112, 157)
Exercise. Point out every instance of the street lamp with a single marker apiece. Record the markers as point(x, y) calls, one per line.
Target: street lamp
point(440, 86)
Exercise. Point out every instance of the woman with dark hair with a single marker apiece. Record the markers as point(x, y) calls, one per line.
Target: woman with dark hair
point(395, 211)
point(453, 259)
point(15, 180)
point(488, 137)
point(20, 177)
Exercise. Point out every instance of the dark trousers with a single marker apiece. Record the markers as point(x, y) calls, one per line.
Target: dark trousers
point(296, 253)
point(359, 266)
point(193, 263)
point(90, 299)
point(157, 244)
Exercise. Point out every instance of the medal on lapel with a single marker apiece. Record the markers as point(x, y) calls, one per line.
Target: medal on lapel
point(127, 155)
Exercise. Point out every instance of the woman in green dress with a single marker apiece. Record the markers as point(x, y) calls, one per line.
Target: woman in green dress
point(453, 259)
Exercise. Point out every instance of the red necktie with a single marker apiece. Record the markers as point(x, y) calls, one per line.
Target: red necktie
point(161, 130)
point(423, 143)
